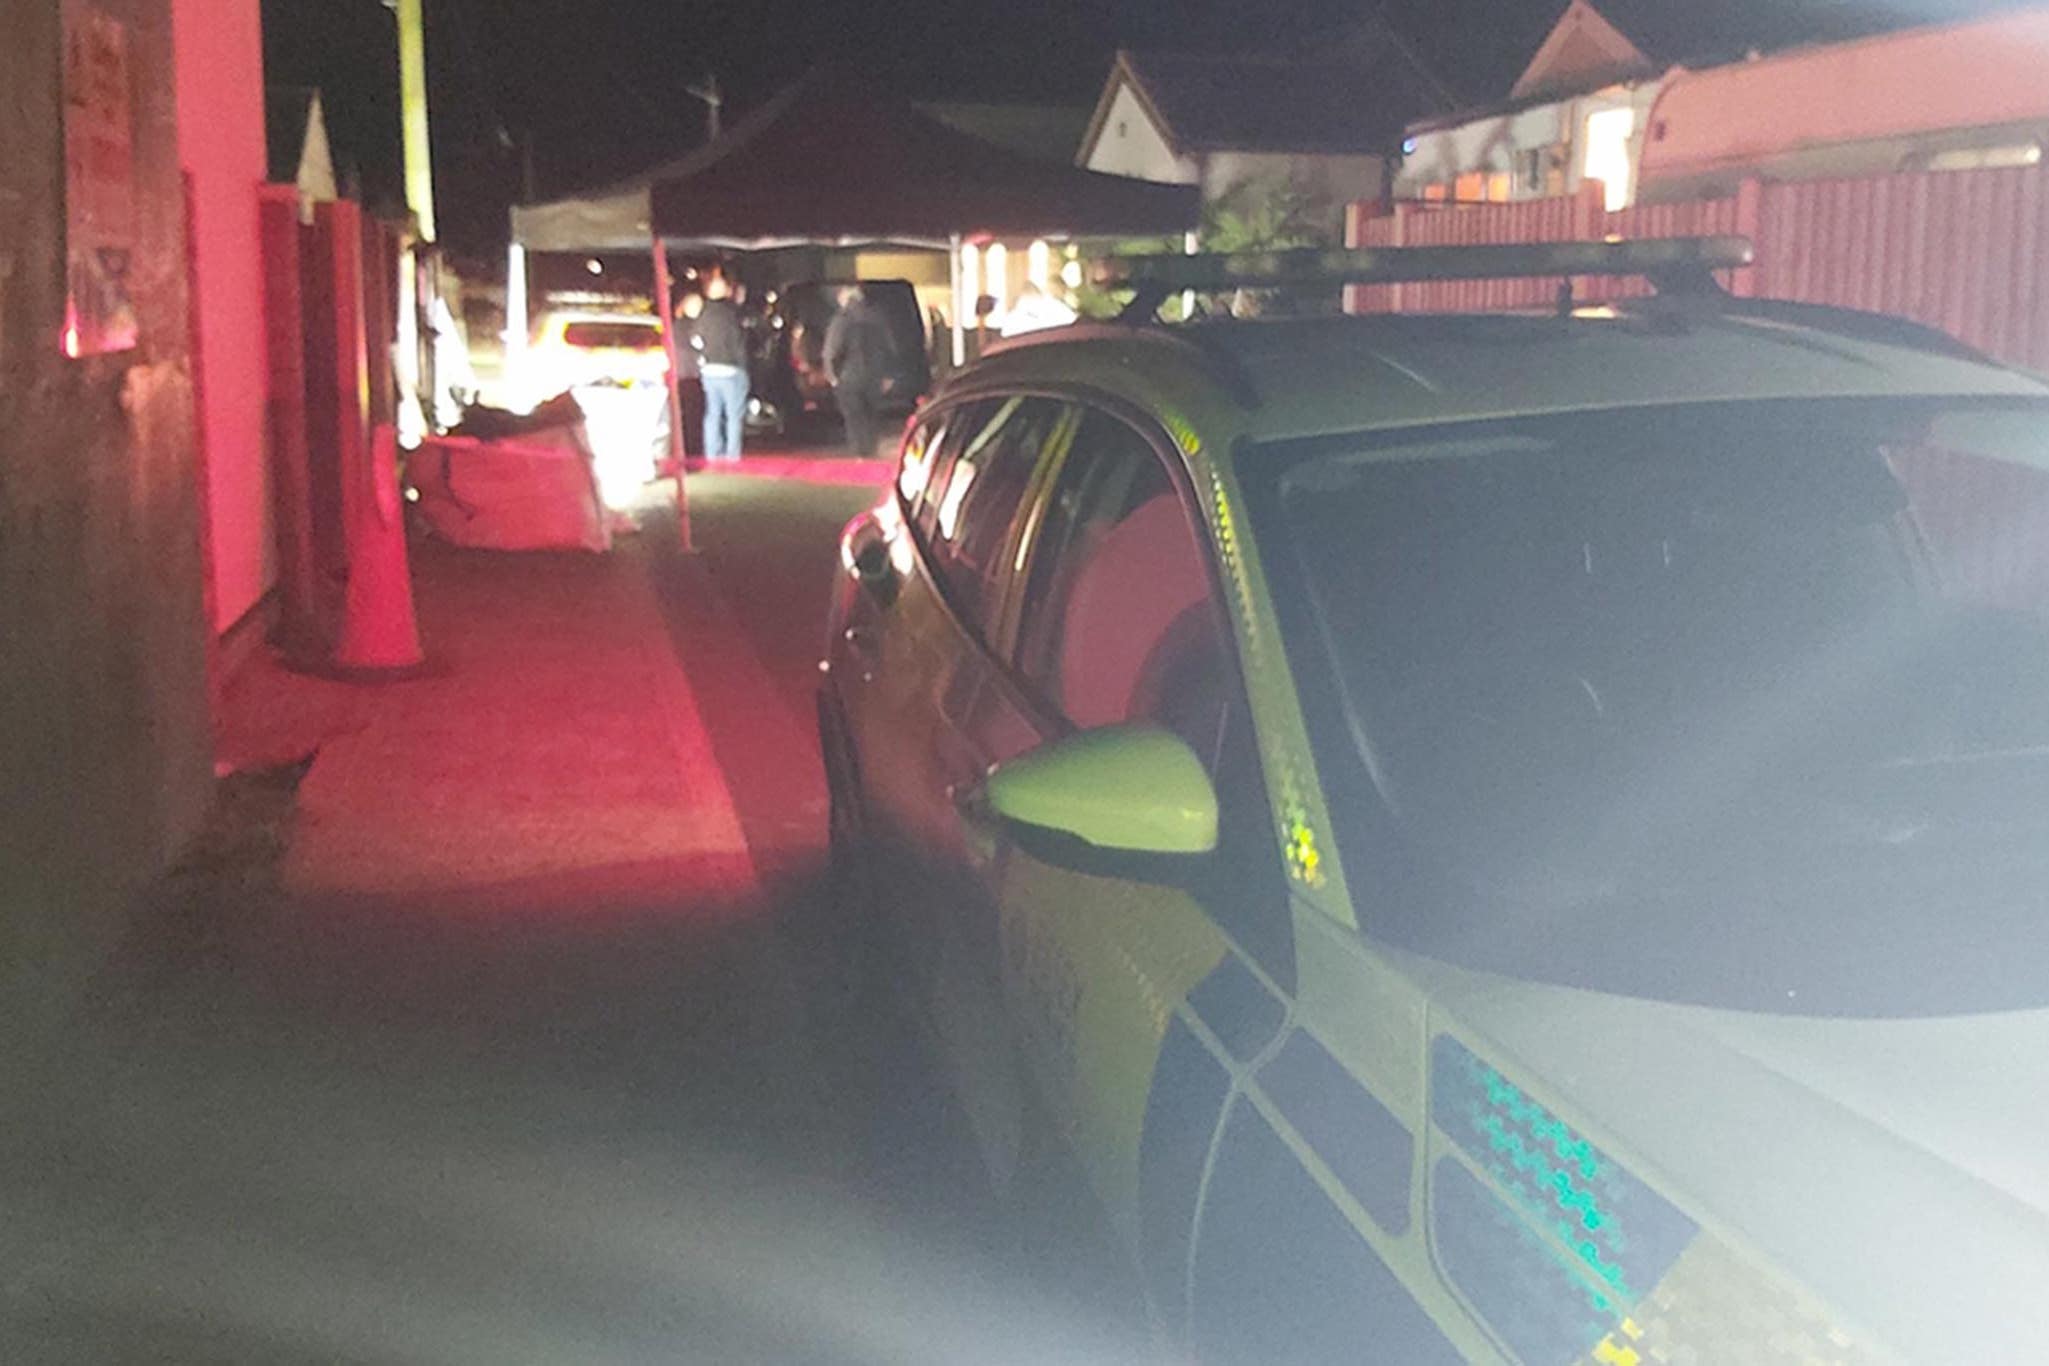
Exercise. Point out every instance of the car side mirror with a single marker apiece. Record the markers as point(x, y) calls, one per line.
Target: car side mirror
point(1130, 802)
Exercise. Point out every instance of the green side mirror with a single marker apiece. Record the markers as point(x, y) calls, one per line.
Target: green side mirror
point(1120, 790)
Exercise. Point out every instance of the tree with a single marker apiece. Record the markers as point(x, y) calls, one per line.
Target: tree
point(1272, 212)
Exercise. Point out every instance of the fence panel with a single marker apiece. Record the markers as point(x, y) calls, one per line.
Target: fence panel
point(1966, 251)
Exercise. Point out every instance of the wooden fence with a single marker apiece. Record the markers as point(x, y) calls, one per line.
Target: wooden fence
point(1965, 251)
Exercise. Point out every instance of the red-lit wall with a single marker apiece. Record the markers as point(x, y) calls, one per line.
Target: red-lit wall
point(219, 45)
point(106, 759)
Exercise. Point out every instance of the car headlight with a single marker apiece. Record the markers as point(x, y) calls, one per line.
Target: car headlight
point(1570, 1257)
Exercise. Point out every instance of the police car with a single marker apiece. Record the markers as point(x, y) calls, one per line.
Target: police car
point(1496, 838)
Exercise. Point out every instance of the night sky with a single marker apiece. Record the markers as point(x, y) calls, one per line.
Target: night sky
point(595, 85)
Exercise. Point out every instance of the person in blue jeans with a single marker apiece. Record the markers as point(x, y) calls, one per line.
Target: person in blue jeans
point(720, 342)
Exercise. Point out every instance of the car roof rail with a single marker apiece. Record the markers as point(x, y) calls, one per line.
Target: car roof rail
point(1674, 266)
point(1883, 328)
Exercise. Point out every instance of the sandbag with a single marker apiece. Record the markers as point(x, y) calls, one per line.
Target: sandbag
point(536, 491)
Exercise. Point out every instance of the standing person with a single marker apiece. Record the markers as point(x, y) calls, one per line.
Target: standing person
point(860, 364)
point(689, 384)
point(720, 341)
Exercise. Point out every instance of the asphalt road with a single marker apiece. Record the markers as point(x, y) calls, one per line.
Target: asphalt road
point(617, 1119)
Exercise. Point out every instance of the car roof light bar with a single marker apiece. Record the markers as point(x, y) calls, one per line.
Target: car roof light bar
point(1673, 265)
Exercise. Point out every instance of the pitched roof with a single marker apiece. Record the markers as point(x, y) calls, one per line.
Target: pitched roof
point(1693, 32)
point(1584, 51)
point(1724, 30)
point(1277, 104)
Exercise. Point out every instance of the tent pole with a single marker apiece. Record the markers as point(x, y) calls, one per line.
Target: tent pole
point(960, 330)
point(666, 306)
point(512, 376)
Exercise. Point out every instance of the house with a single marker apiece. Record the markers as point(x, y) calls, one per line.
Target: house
point(1000, 271)
point(1577, 113)
point(1970, 96)
point(1325, 127)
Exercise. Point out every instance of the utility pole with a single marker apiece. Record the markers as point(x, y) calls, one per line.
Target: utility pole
point(417, 279)
point(412, 82)
point(713, 101)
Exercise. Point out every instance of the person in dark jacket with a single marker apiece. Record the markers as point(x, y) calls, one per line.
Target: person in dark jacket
point(719, 339)
point(689, 384)
point(860, 364)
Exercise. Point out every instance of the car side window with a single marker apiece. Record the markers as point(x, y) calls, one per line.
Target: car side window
point(974, 494)
point(1120, 624)
point(1118, 620)
point(923, 483)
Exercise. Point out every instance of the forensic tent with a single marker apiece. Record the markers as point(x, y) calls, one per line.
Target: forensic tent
point(837, 160)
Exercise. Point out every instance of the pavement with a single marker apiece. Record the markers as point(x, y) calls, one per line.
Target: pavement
point(510, 1026)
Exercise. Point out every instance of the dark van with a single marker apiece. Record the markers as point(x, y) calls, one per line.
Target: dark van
point(789, 369)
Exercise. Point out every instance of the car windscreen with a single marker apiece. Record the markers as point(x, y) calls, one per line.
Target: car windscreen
point(609, 336)
point(1729, 703)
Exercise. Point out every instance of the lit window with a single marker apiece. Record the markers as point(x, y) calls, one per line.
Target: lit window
point(1987, 158)
point(1607, 154)
point(996, 267)
point(970, 274)
point(1436, 194)
point(1497, 188)
point(1070, 275)
point(1039, 264)
point(1471, 188)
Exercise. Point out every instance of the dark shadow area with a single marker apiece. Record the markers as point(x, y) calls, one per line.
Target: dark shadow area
point(627, 1111)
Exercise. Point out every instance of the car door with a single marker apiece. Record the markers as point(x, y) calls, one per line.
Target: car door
point(899, 653)
point(967, 525)
point(1130, 998)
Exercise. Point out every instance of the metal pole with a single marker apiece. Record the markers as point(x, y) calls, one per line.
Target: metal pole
point(960, 331)
point(412, 83)
point(512, 372)
point(663, 302)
